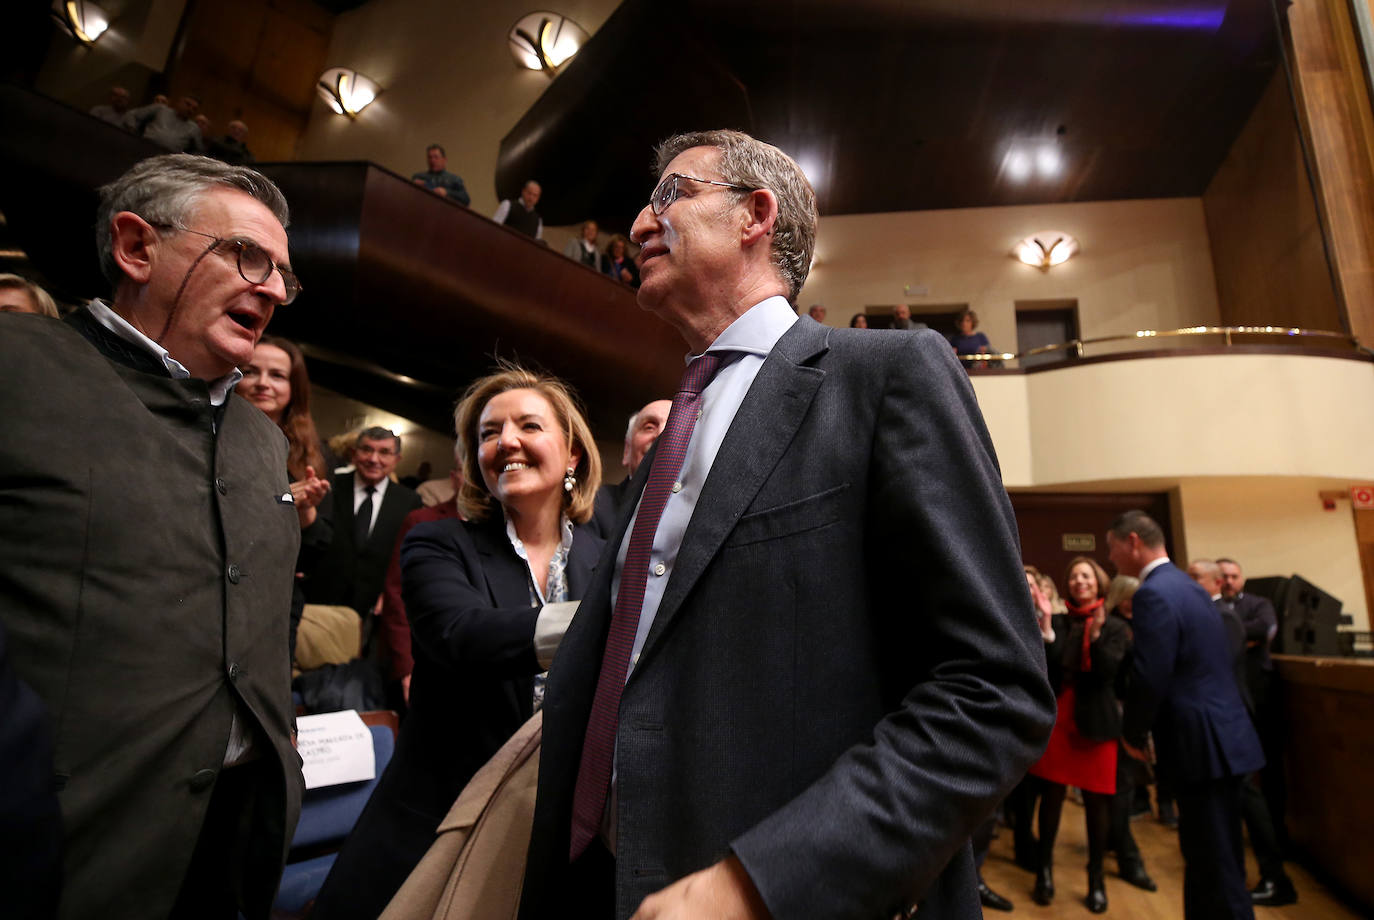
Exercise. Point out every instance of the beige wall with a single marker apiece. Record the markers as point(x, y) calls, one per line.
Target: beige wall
point(447, 78)
point(135, 45)
point(1174, 417)
point(1277, 526)
point(1143, 264)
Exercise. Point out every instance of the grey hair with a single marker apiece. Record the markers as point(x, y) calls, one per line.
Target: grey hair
point(755, 165)
point(165, 190)
point(42, 300)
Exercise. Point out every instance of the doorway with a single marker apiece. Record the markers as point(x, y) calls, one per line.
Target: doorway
point(1046, 322)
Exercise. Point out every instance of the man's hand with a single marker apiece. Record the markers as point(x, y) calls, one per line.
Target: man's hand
point(405, 689)
point(1136, 753)
point(720, 892)
point(441, 192)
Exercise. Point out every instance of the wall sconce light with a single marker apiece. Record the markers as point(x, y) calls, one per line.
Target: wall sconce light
point(346, 91)
point(1045, 249)
point(545, 41)
point(85, 21)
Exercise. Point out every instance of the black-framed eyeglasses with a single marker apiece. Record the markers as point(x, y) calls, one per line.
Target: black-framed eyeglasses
point(667, 191)
point(254, 264)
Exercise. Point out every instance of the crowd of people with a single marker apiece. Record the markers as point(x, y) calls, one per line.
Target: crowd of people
point(726, 726)
point(179, 126)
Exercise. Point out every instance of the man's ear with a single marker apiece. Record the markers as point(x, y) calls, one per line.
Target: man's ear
point(762, 214)
point(132, 240)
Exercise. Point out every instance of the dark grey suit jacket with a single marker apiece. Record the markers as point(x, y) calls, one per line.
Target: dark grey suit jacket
point(842, 679)
point(467, 595)
point(146, 561)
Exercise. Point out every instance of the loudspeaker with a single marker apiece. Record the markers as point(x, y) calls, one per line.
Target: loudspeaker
point(1308, 616)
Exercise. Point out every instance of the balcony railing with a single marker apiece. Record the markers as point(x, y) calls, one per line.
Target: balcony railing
point(1208, 339)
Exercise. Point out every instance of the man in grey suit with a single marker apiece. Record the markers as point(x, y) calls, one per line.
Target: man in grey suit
point(148, 542)
point(802, 684)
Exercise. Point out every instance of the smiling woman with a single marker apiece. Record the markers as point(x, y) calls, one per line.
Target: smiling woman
point(485, 598)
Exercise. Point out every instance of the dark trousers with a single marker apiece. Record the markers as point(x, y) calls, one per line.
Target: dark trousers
point(1020, 809)
point(1119, 838)
point(1263, 836)
point(1213, 855)
point(982, 840)
point(213, 886)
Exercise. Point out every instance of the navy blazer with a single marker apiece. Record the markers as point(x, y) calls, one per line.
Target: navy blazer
point(1183, 683)
point(842, 678)
point(467, 596)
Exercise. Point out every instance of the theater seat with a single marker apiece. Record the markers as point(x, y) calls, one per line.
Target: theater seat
point(327, 816)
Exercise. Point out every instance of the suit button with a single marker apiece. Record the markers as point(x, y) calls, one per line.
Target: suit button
point(233, 574)
point(203, 780)
point(234, 671)
point(221, 486)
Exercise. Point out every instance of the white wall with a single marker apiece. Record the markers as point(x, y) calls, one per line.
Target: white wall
point(447, 78)
point(1142, 265)
point(1277, 526)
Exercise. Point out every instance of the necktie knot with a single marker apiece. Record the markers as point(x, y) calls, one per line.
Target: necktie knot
point(699, 373)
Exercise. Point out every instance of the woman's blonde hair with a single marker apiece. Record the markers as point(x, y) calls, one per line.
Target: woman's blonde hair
point(474, 501)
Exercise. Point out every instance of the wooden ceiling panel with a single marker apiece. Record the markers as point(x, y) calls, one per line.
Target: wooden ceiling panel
point(1138, 98)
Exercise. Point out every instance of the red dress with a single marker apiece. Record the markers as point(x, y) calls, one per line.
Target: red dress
point(1071, 758)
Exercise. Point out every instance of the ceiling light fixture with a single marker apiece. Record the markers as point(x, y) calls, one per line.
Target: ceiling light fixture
point(346, 91)
point(85, 21)
point(545, 41)
point(1046, 249)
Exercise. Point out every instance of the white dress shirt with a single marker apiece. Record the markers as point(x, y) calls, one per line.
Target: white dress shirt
point(360, 493)
point(746, 343)
point(219, 389)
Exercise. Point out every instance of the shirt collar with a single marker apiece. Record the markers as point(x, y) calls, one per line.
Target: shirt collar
point(757, 330)
point(219, 389)
point(1151, 566)
point(359, 486)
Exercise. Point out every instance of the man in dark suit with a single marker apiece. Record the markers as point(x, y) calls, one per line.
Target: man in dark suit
point(804, 672)
point(1183, 686)
point(148, 542)
point(640, 434)
point(368, 511)
point(1262, 797)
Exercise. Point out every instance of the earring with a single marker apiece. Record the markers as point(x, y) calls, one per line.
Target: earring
point(569, 482)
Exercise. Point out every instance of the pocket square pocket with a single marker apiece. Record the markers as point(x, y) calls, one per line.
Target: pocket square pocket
point(809, 513)
point(286, 498)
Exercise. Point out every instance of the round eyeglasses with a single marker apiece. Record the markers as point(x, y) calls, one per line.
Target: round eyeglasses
point(254, 264)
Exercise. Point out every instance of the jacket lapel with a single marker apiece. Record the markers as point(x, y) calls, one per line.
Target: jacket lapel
point(507, 575)
point(764, 426)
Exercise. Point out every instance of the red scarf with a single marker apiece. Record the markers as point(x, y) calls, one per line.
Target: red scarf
point(1085, 614)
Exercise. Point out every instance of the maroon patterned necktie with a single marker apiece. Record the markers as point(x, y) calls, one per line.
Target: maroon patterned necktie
point(598, 748)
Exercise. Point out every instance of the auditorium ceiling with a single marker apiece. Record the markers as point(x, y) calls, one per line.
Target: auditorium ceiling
point(899, 105)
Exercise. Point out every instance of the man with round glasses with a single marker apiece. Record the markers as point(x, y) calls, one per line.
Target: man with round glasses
point(147, 548)
point(732, 728)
